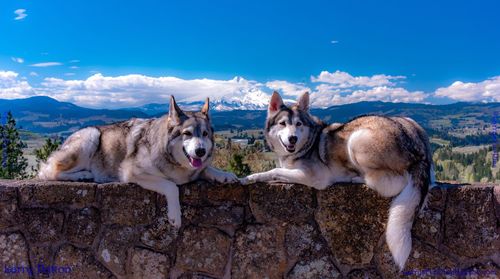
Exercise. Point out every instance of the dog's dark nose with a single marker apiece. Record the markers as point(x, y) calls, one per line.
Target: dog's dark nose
point(200, 152)
point(292, 139)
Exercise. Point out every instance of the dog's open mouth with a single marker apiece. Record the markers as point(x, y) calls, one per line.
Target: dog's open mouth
point(290, 148)
point(194, 162)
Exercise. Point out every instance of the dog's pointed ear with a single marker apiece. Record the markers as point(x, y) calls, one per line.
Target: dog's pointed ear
point(275, 104)
point(303, 102)
point(206, 107)
point(174, 112)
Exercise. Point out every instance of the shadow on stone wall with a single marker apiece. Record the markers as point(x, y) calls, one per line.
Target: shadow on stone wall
point(233, 231)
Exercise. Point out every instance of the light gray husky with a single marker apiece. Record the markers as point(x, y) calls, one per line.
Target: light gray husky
point(158, 154)
point(389, 154)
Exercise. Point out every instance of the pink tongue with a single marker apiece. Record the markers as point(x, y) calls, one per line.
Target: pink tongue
point(196, 162)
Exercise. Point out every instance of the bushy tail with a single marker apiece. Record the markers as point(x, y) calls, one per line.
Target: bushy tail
point(402, 212)
point(46, 172)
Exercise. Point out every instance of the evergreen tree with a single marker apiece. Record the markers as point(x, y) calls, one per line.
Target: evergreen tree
point(12, 163)
point(237, 166)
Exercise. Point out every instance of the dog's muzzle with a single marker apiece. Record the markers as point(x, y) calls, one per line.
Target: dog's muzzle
point(194, 162)
point(289, 148)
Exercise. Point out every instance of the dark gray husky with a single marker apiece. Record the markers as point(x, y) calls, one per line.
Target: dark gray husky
point(157, 154)
point(389, 154)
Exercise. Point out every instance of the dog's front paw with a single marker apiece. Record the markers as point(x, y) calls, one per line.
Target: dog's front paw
point(226, 177)
point(174, 218)
point(247, 180)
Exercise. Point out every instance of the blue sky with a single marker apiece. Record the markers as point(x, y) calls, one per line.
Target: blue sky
point(432, 44)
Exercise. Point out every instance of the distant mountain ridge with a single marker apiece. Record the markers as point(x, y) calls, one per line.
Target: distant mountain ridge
point(43, 114)
point(46, 115)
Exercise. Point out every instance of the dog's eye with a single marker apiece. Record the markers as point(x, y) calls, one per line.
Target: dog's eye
point(188, 133)
point(299, 124)
point(205, 133)
point(282, 123)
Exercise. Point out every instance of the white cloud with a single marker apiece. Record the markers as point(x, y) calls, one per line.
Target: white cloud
point(133, 90)
point(46, 64)
point(33, 74)
point(17, 60)
point(327, 95)
point(484, 91)
point(341, 79)
point(388, 94)
point(288, 88)
point(12, 87)
point(69, 74)
point(20, 14)
point(8, 75)
point(74, 67)
point(341, 88)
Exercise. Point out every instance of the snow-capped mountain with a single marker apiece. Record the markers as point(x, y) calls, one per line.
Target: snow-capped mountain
point(238, 94)
point(242, 98)
point(248, 99)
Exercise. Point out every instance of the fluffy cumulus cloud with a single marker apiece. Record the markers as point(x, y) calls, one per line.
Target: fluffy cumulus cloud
point(288, 88)
point(327, 89)
point(485, 91)
point(326, 95)
point(341, 79)
point(132, 90)
point(13, 87)
point(341, 88)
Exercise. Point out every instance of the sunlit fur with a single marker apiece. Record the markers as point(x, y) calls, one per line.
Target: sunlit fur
point(391, 155)
point(157, 154)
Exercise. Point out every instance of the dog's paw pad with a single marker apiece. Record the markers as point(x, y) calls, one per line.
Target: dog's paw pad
point(175, 221)
point(244, 181)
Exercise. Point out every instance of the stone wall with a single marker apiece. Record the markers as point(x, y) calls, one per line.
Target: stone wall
point(85, 230)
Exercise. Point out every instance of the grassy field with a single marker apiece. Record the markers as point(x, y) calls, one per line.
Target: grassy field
point(469, 149)
point(439, 141)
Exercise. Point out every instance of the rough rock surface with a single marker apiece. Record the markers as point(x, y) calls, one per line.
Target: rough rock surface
point(289, 204)
point(148, 264)
point(233, 231)
point(203, 250)
point(470, 222)
point(259, 252)
point(13, 255)
point(126, 205)
point(355, 209)
point(316, 268)
point(81, 264)
point(43, 225)
point(83, 226)
point(112, 250)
